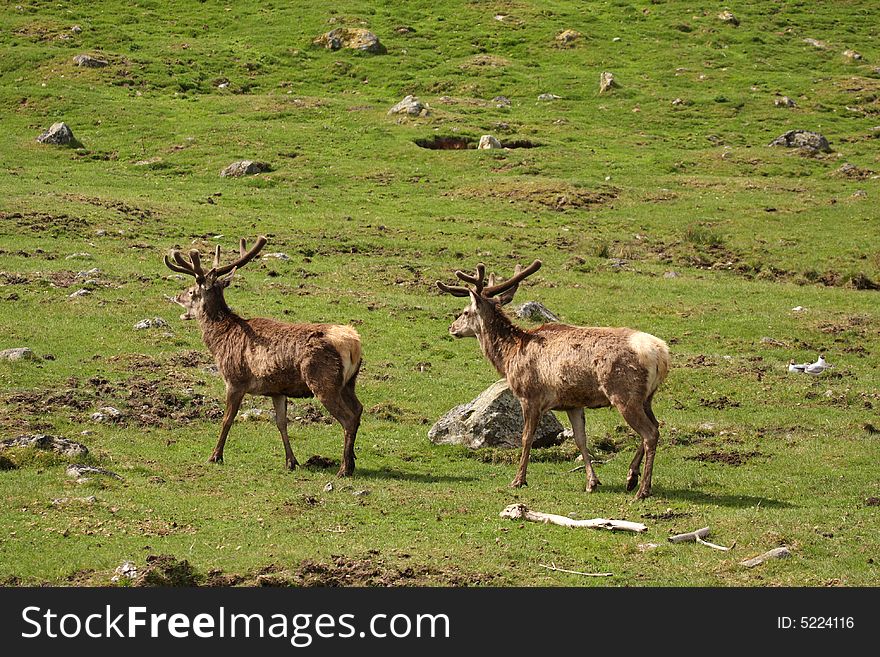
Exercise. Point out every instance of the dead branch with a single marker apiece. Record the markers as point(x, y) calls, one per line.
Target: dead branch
point(521, 512)
point(552, 566)
point(776, 553)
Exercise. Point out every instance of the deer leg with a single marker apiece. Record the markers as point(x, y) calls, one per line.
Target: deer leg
point(336, 405)
point(346, 469)
point(632, 477)
point(233, 403)
point(640, 421)
point(280, 403)
point(578, 428)
point(531, 415)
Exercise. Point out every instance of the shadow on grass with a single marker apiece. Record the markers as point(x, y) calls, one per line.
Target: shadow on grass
point(421, 477)
point(721, 499)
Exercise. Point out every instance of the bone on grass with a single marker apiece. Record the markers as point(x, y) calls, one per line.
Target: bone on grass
point(521, 512)
point(776, 553)
point(698, 536)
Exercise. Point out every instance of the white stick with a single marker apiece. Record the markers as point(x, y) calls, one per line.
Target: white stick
point(775, 553)
point(552, 566)
point(713, 546)
point(690, 537)
point(521, 512)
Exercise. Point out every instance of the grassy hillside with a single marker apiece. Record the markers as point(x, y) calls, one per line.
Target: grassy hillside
point(657, 205)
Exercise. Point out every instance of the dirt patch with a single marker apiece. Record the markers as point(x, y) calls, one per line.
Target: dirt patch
point(306, 413)
point(541, 194)
point(700, 360)
point(872, 501)
point(191, 358)
point(321, 462)
point(726, 458)
point(720, 403)
point(484, 61)
point(374, 571)
point(166, 570)
point(119, 206)
point(157, 404)
point(43, 222)
point(441, 143)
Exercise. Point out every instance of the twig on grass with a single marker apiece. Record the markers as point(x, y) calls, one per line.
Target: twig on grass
point(552, 566)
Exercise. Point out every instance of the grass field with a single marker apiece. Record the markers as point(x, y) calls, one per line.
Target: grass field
point(658, 205)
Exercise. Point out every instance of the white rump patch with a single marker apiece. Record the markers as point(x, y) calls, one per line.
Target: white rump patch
point(653, 355)
point(348, 343)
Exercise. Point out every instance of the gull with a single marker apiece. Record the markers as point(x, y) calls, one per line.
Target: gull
point(818, 367)
point(795, 367)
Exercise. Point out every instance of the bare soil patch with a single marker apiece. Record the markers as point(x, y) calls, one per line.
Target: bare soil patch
point(540, 194)
point(732, 457)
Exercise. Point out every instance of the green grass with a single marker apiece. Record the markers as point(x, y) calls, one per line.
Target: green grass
point(371, 220)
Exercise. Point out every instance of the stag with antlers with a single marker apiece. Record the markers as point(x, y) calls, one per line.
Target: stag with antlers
point(270, 358)
point(566, 368)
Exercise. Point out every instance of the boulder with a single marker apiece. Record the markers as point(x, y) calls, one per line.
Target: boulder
point(606, 82)
point(535, 312)
point(493, 419)
point(852, 54)
point(784, 101)
point(567, 38)
point(87, 61)
point(410, 106)
point(18, 353)
point(488, 141)
point(80, 472)
point(810, 141)
point(150, 322)
point(727, 16)
point(244, 168)
point(48, 443)
point(58, 134)
point(353, 38)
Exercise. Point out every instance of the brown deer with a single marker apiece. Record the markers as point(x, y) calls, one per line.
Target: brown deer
point(270, 358)
point(566, 368)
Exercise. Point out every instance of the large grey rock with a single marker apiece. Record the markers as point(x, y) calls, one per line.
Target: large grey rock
point(810, 141)
point(244, 168)
point(88, 61)
point(58, 134)
point(411, 106)
point(354, 38)
point(606, 82)
point(493, 419)
point(18, 353)
point(536, 312)
point(81, 472)
point(487, 142)
point(46, 442)
point(150, 322)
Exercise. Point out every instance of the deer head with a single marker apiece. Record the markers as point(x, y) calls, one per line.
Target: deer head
point(205, 298)
point(485, 299)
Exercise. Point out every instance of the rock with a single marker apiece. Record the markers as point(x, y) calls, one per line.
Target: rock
point(671, 274)
point(79, 293)
point(677, 101)
point(411, 106)
point(94, 271)
point(87, 61)
point(821, 45)
point(567, 37)
point(487, 142)
point(244, 168)
point(354, 38)
point(277, 256)
point(804, 139)
point(58, 134)
point(501, 101)
point(606, 82)
point(107, 414)
point(784, 101)
point(79, 471)
point(848, 170)
point(154, 322)
point(257, 414)
point(81, 255)
point(128, 570)
point(47, 443)
point(852, 54)
point(76, 29)
point(727, 17)
point(18, 353)
point(549, 97)
point(493, 419)
point(61, 501)
point(535, 312)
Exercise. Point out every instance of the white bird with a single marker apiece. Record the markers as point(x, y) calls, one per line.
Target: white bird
point(795, 367)
point(818, 367)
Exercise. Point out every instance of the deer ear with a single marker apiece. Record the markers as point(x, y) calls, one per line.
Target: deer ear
point(226, 280)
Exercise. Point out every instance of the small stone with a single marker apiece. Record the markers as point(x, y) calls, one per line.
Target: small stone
point(244, 168)
point(94, 271)
point(87, 61)
point(79, 256)
point(277, 256)
point(79, 293)
point(606, 82)
point(106, 414)
point(360, 493)
point(58, 134)
point(128, 570)
point(727, 17)
point(852, 54)
point(354, 38)
point(328, 487)
point(47, 443)
point(549, 97)
point(411, 106)
point(487, 142)
point(76, 29)
point(18, 353)
point(784, 101)
point(257, 414)
point(501, 101)
point(821, 45)
point(153, 322)
point(677, 101)
point(567, 37)
point(78, 470)
point(671, 274)
point(853, 172)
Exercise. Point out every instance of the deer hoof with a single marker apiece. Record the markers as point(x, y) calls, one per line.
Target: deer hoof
point(291, 465)
point(632, 481)
point(215, 459)
point(593, 485)
point(345, 472)
point(642, 494)
point(516, 483)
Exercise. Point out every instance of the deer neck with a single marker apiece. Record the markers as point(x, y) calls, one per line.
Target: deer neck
point(499, 339)
point(215, 318)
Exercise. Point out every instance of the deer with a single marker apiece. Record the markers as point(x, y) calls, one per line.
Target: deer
point(270, 358)
point(566, 368)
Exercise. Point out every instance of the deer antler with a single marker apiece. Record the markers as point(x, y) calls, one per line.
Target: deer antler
point(478, 278)
point(513, 281)
point(180, 264)
point(506, 297)
point(244, 257)
point(504, 290)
